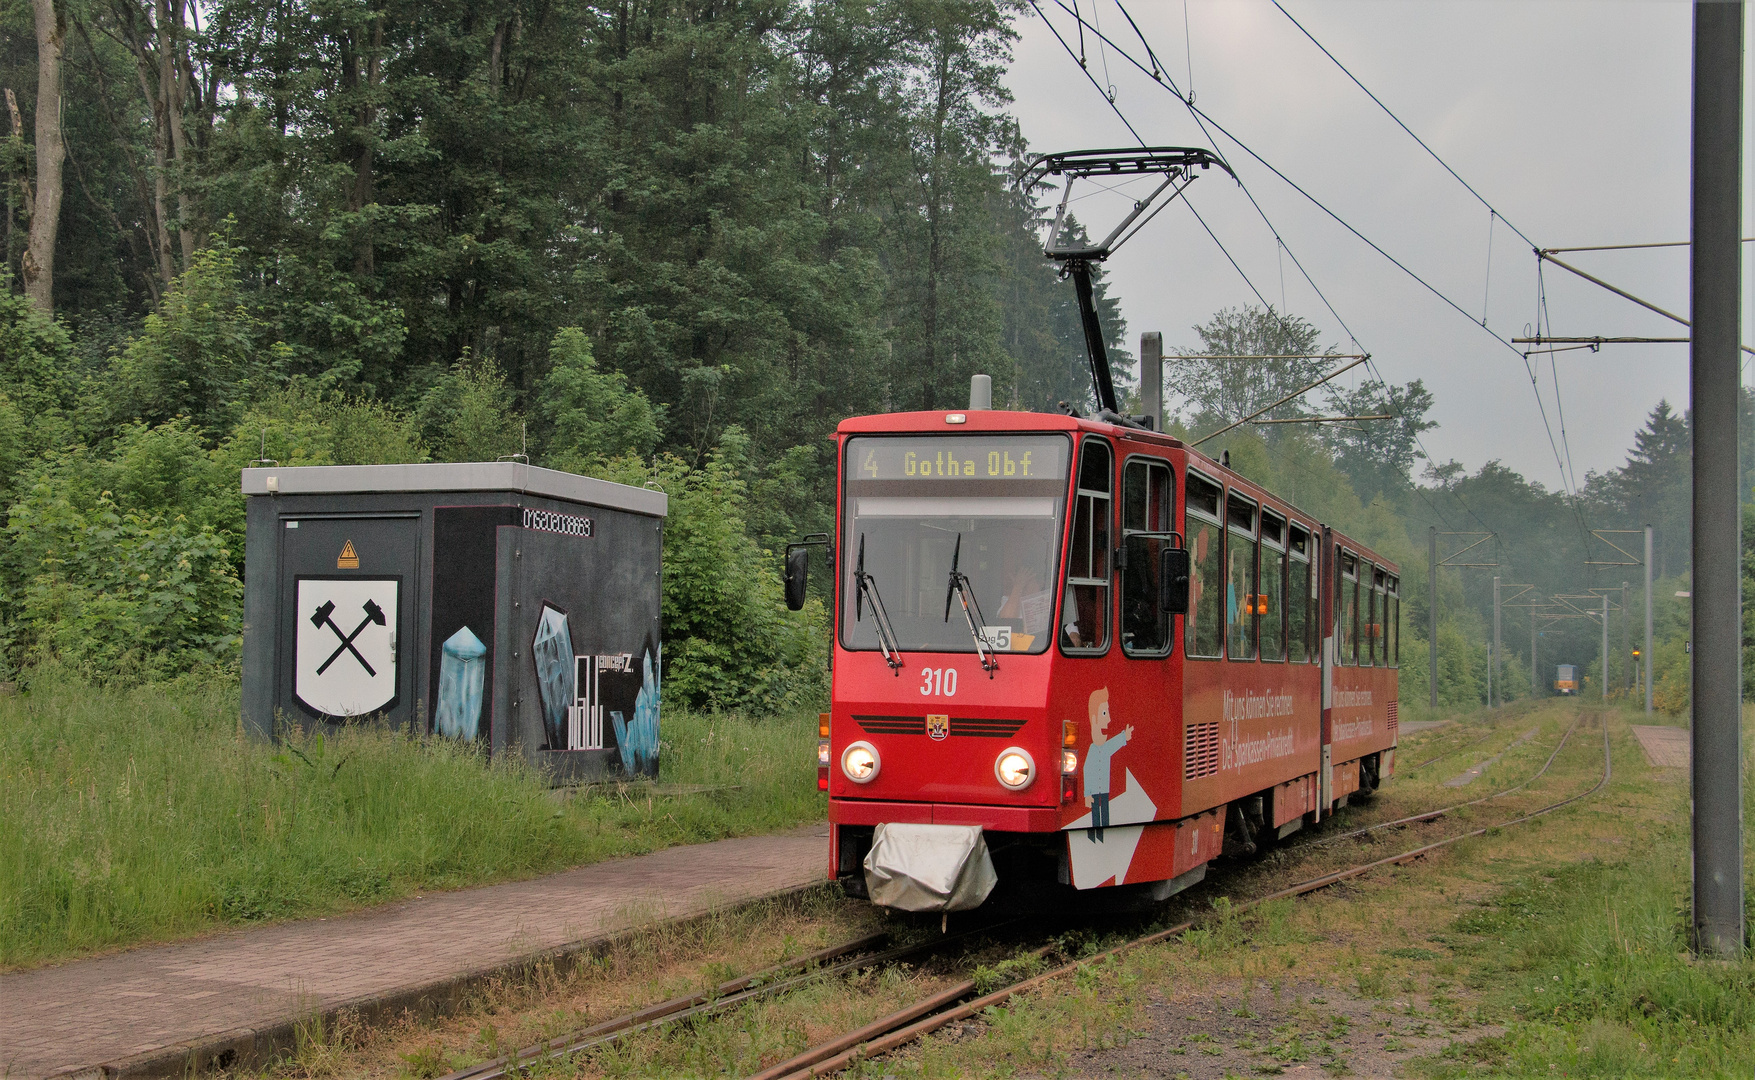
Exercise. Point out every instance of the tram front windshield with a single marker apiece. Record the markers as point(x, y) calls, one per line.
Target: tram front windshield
point(916, 504)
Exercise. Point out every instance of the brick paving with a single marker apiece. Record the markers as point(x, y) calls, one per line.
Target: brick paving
point(1665, 747)
point(135, 1011)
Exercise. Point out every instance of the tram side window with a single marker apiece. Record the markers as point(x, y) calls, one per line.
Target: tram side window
point(1241, 601)
point(1367, 619)
point(1298, 605)
point(1202, 630)
point(1394, 623)
point(1379, 619)
point(1084, 611)
point(1271, 599)
point(1146, 495)
point(1346, 608)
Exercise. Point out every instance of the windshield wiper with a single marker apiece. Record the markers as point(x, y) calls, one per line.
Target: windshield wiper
point(960, 588)
point(866, 585)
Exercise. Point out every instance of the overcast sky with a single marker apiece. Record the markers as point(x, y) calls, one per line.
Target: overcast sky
point(1572, 119)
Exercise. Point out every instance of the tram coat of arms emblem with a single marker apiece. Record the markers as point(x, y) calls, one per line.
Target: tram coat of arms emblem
point(938, 725)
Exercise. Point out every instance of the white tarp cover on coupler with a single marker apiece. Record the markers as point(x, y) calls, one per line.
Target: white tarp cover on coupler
point(929, 867)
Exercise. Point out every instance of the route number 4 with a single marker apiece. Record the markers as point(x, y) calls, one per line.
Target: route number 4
point(939, 682)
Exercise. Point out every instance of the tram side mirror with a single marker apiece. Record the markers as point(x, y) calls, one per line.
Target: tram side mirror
point(1173, 580)
point(797, 575)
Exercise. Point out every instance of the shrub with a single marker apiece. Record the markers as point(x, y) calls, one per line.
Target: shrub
point(729, 641)
point(467, 415)
point(119, 596)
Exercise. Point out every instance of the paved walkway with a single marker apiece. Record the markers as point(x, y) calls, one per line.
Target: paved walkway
point(139, 1012)
point(1665, 747)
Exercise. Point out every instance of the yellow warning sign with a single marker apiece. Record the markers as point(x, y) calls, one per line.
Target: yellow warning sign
point(348, 559)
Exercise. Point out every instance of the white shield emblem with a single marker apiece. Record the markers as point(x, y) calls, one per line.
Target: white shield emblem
point(344, 655)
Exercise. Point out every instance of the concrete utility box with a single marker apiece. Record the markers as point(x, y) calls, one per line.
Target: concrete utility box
point(495, 602)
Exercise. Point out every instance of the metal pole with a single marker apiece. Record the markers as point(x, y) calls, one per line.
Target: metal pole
point(1534, 685)
point(1647, 655)
point(1152, 377)
point(1605, 678)
point(1493, 665)
point(1432, 611)
point(1715, 297)
point(1626, 660)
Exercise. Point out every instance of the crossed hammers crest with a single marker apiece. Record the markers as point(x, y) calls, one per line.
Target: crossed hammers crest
point(321, 617)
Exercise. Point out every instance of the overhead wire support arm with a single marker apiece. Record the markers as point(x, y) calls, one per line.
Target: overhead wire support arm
point(1450, 560)
point(1604, 534)
point(1271, 356)
point(1270, 408)
point(1547, 254)
point(1177, 165)
point(1630, 247)
point(1325, 419)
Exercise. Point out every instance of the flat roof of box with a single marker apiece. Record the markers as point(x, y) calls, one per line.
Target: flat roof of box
point(461, 476)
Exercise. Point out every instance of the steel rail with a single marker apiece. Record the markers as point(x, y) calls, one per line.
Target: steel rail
point(726, 995)
point(662, 1010)
point(909, 1031)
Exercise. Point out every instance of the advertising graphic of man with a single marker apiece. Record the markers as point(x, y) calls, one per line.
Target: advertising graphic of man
point(1097, 763)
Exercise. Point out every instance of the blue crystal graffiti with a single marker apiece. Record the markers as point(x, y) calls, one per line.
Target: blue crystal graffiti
point(552, 649)
point(462, 670)
point(638, 741)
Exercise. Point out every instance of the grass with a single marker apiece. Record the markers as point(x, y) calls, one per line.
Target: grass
point(140, 815)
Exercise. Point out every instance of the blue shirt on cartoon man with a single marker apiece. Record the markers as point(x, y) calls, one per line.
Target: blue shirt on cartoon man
point(1097, 760)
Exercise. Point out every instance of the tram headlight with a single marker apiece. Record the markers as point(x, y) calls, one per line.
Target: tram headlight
point(1014, 768)
point(859, 762)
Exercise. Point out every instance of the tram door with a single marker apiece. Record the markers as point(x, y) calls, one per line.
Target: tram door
point(1147, 631)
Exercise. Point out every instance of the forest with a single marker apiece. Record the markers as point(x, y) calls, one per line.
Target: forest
point(670, 244)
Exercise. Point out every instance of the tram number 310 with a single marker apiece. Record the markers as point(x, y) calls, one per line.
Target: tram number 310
point(938, 682)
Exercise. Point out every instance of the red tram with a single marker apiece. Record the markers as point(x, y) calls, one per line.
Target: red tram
point(1077, 653)
point(1261, 709)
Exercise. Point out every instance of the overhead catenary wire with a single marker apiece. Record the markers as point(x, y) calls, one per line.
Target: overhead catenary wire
point(1169, 84)
point(1494, 215)
point(1203, 119)
point(1398, 121)
point(1286, 248)
point(1200, 117)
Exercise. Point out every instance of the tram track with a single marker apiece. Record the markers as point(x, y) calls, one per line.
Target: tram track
point(768, 982)
point(1465, 746)
point(941, 1008)
point(906, 1025)
point(1432, 815)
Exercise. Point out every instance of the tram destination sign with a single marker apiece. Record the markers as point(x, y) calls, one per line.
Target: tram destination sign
point(959, 457)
